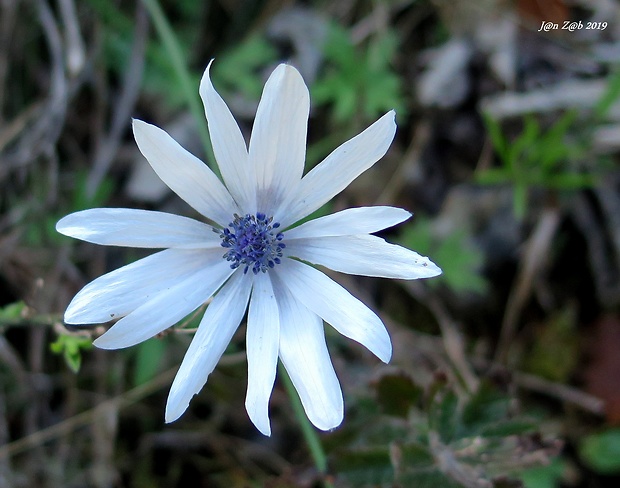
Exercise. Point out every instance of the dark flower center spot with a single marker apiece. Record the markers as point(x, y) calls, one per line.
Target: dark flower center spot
point(253, 242)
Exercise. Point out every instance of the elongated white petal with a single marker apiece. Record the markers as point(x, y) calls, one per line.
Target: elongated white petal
point(338, 170)
point(278, 141)
point(184, 173)
point(137, 228)
point(229, 147)
point(336, 306)
point(215, 331)
point(352, 221)
point(363, 255)
point(262, 350)
point(121, 291)
point(305, 356)
point(166, 308)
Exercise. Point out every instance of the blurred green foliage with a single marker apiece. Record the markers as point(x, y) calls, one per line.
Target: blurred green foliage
point(237, 70)
point(12, 312)
point(547, 475)
point(70, 347)
point(148, 360)
point(609, 97)
point(536, 158)
point(601, 451)
point(554, 352)
point(433, 436)
point(42, 230)
point(454, 253)
point(159, 72)
point(558, 158)
point(360, 79)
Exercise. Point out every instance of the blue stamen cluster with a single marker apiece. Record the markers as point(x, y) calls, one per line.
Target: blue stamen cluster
point(252, 241)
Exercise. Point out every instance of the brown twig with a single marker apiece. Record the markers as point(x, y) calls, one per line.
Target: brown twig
point(566, 393)
point(125, 104)
point(8, 9)
point(42, 436)
point(452, 339)
point(42, 135)
point(534, 258)
point(75, 52)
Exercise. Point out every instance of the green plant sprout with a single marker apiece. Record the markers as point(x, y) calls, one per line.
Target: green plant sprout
point(436, 437)
point(458, 258)
point(536, 158)
point(238, 70)
point(70, 347)
point(359, 80)
point(551, 159)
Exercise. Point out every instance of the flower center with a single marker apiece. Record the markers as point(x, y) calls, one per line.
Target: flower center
point(253, 242)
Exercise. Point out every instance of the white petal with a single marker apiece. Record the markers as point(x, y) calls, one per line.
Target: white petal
point(337, 170)
point(278, 141)
point(305, 356)
point(363, 255)
point(137, 228)
point(336, 306)
point(184, 173)
point(215, 331)
point(262, 350)
point(228, 146)
point(352, 221)
point(121, 291)
point(165, 309)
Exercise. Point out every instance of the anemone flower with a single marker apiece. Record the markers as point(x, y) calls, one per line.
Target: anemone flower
point(248, 254)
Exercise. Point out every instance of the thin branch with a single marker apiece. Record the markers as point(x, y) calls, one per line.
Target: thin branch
point(125, 104)
point(534, 258)
point(67, 426)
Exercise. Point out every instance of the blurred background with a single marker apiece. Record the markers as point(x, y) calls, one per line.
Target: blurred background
point(506, 370)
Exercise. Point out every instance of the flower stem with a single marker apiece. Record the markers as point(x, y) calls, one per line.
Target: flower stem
point(310, 436)
point(171, 44)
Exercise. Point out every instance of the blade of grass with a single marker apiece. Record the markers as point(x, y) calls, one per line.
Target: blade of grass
point(179, 64)
point(310, 436)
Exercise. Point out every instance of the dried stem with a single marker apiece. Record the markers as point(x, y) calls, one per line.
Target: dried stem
point(536, 253)
point(42, 436)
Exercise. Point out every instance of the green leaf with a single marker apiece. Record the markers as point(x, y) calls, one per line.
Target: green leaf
point(571, 181)
point(524, 142)
point(237, 70)
point(148, 360)
point(443, 416)
point(507, 428)
point(500, 144)
point(415, 455)
point(427, 479)
point(396, 394)
point(494, 176)
point(367, 467)
point(12, 311)
point(547, 476)
point(82, 200)
point(553, 147)
point(610, 96)
point(459, 259)
point(484, 407)
point(460, 262)
point(359, 80)
point(70, 346)
point(601, 451)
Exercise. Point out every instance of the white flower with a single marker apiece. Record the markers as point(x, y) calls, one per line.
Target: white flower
point(250, 255)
